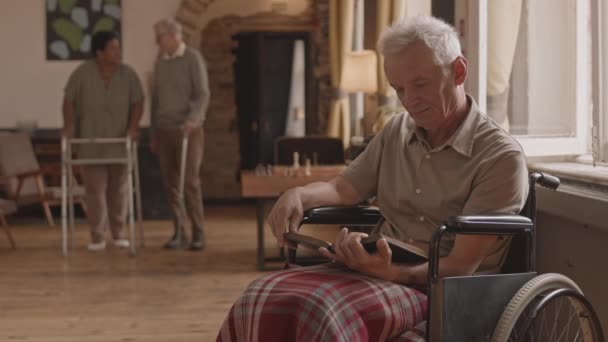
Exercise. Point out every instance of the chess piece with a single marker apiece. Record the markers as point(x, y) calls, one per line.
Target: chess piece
point(259, 170)
point(307, 167)
point(296, 160)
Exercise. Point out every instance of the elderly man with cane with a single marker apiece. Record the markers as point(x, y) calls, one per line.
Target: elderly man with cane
point(179, 100)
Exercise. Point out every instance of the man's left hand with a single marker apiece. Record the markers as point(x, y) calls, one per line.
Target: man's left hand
point(350, 252)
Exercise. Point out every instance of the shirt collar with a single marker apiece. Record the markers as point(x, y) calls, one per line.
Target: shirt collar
point(461, 141)
point(181, 49)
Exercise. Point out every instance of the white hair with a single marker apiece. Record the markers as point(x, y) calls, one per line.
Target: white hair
point(439, 37)
point(168, 25)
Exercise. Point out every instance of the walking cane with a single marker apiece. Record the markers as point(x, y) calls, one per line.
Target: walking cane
point(182, 179)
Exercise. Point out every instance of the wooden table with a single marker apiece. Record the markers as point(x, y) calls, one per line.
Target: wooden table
point(266, 188)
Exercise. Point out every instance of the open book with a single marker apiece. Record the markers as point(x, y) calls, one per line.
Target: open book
point(401, 251)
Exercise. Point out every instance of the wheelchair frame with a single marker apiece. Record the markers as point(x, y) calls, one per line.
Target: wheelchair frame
point(496, 291)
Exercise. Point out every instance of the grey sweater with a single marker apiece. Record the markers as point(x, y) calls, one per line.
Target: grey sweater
point(180, 90)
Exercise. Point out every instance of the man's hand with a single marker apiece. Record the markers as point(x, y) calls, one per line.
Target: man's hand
point(133, 133)
point(189, 127)
point(350, 252)
point(286, 214)
point(67, 132)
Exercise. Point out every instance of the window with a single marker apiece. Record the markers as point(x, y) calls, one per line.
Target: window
point(532, 63)
point(599, 36)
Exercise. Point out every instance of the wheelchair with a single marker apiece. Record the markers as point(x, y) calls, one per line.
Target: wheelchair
point(518, 304)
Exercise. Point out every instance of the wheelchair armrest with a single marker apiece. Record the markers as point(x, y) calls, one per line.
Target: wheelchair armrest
point(545, 180)
point(476, 224)
point(348, 215)
point(489, 224)
point(359, 216)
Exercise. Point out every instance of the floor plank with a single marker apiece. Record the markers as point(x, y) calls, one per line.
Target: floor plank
point(157, 296)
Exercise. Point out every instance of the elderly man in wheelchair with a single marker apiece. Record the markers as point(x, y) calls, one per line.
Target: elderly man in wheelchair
point(446, 179)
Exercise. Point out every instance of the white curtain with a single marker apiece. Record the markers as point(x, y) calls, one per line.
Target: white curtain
point(341, 17)
point(295, 125)
point(503, 27)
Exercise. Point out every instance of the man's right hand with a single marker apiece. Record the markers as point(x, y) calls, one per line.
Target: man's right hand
point(286, 214)
point(189, 127)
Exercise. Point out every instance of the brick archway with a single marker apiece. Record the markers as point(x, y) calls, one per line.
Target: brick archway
point(221, 166)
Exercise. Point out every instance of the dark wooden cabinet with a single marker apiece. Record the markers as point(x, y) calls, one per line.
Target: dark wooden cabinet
point(262, 70)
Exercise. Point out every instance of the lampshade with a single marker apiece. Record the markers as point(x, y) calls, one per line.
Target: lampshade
point(359, 72)
point(279, 6)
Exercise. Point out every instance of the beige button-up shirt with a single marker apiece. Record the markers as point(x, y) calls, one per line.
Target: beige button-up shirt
point(479, 170)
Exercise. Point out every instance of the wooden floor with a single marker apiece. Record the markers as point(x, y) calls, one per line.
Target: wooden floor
point(157, 296)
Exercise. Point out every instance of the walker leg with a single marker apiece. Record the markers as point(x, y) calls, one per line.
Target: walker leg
point(70, 191)
point(138, 196)
point(130, 201)
point(64, 197)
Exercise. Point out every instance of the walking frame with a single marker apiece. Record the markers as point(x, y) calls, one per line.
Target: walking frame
point(67, 183)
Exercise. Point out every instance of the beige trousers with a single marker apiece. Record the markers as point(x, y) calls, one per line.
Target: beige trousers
point(169, 147)
point(106, 198)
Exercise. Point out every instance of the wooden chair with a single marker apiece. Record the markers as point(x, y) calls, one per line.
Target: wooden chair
point(25, 183)
point(7, 208)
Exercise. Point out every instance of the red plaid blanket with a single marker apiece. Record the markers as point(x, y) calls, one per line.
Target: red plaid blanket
point(325, 303)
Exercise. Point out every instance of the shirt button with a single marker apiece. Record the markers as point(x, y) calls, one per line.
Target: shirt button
point(418, 191)
point(428, 156)
point(421, 218)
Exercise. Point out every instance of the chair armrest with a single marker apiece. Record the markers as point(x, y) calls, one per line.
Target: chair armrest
point(28, 174)
point(23, 176)
point(489, 224)
point(348, 215)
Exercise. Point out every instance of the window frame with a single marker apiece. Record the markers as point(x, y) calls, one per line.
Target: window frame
point(539, 146)
point(599, 36)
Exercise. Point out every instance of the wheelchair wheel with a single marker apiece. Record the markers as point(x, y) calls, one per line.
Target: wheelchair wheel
point(550, 307)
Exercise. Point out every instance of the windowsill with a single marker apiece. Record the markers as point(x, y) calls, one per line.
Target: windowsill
point(575, 171)
point(577, 174)
point(583, 193)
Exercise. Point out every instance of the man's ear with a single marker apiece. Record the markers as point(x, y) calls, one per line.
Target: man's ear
point(460, 70)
